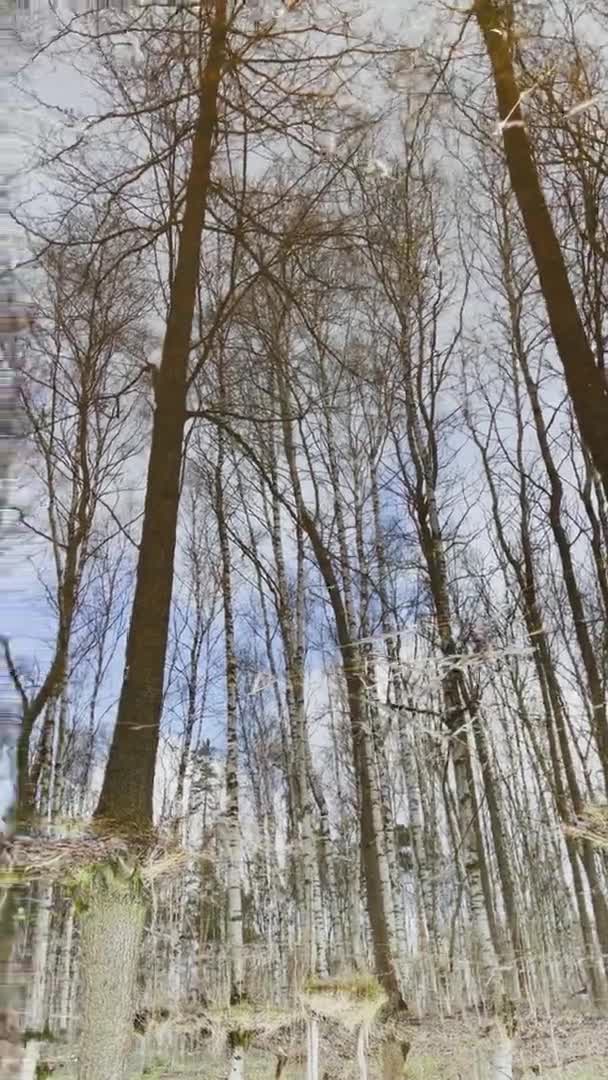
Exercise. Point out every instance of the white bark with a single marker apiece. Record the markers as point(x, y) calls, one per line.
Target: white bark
point(235, 913)
point(354, 912)
point(237, 1063)
point(501, 1062)
point(36, 1013)
point(466, 819)
point(416, 821)
point(67, 978)
point(363, 1051)
point(176, 958)
point(382, 776)
point(30, 1061)
point(379, 834)
point(318, 921)
point(307, 841)
point(312, 1048)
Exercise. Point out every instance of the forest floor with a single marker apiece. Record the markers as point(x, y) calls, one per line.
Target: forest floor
point(565, 1046)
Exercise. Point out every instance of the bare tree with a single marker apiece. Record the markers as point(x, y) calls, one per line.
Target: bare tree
point(584, 378)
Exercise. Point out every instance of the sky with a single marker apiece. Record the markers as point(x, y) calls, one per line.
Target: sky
point(22, 125)
point(27, 618)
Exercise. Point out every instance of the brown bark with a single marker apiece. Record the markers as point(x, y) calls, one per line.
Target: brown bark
point(579, 614)
point(523, 568)
point(127, 792)
point(459, 707)
point(69, 577)
point(586, 383)
point(352, 664)
point(557, 508)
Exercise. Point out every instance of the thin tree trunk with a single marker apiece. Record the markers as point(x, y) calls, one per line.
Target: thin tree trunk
point(524, 570)
point(458, 707)
point(377, 879)
point(291, 623)
point(312, 1048)
point(503, 858)
point(363, 1051)
point(234, 906)
point(235, 915)
point(68, 977)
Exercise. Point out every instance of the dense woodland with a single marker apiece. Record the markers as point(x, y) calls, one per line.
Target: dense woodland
point(307, 434)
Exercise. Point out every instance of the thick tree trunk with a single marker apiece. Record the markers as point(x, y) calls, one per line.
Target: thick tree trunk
point(501, 1060)
point(127, 793)
point(599, 719)
point(10, 728)
point(354, 915)
point(111, 930)
point(524, 570)
point(586, 383)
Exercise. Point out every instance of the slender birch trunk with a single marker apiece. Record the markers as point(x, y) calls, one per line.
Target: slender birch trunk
point(234, 909)
point(456, 706)
point(312, 1048)
point(68, 977)
point(235, 914)
point(291, 623)
point(363, 1051)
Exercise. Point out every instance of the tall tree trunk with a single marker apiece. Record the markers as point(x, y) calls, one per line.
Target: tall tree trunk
point(235, 914)
point(503, 858)
point(114, 920)
point(111, 929)
point(586, 383)
point(377, 879)
point(523, 568)
point(459, 709)
point(68, 976)
point(127, 793)
point(596, 690)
